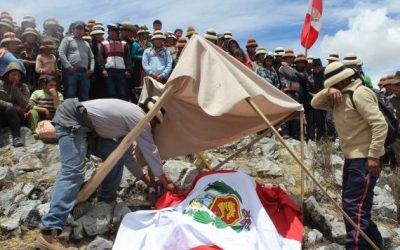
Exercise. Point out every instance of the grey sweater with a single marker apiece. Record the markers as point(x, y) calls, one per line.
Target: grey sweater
point(10, 95)
point(76, 52)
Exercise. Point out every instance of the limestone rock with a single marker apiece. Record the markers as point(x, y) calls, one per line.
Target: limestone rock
point(181, 173)
point(100, 243)
point(314, 216)
point(267, 168)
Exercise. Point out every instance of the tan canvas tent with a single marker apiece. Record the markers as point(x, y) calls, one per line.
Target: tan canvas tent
point(209, 107)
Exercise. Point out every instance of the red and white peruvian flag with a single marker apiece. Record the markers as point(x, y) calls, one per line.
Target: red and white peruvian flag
point(222, 210)
point(312, 24)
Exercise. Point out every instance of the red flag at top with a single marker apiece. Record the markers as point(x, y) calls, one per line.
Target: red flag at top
point(312, 24)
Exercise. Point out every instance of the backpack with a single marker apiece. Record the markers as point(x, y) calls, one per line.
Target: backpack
point(390, 114)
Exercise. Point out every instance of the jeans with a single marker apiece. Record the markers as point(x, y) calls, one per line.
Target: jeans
point(73, 148)
point(77, 85)
point(357, 200)
point(116, 84)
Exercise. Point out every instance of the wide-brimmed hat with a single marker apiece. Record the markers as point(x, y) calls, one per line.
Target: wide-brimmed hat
point(260, 51)
point(149, 103)
point(335, 73)
point(127, 26)
point(114, 26)
point(333, 56)
point(158, 35)
point(143, 30)
point(310, 59)
point(7, 23)
point(350, 59)
point(9, 37)
point(301, 58)
point(190, 31)
point(211, 34)
point(29, 19)
point(288, 53)
point(251, 43)
point(97, 29)
point(30, 31)
point(181, 42)
point(391, 80)
point(47, 43)
point(50, 22)
point(279, 51)
point(228, 35)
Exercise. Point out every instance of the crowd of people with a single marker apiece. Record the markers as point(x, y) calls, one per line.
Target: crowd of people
point(39, 70)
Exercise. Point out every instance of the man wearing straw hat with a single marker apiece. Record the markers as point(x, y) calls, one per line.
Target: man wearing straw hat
point(362, 131)
point(157, 61)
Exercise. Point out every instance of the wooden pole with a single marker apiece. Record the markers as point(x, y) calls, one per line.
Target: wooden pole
point(116, 155)
point(258, 138)
point(302, 160)
point(346, 216)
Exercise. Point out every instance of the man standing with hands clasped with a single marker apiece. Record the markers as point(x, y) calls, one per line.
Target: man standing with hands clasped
point(157, 61)
point(362, 131)
point(78, 60)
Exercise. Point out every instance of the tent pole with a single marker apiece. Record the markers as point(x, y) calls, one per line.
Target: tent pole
point(302, 160)
point(116, 155)
point(258, 138)
point(345, 215)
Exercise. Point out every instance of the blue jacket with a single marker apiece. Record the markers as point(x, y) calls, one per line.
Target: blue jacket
point(6, 59)
point(157, 62)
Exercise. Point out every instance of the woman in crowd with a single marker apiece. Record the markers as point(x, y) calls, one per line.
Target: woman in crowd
point(46, 62)
point(241, 56)
point(28, 56)
point(14, 96)
point(137, 53)
point(268, 72)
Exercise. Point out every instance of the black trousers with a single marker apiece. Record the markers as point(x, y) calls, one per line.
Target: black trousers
point(11, 117)
point(357, 200)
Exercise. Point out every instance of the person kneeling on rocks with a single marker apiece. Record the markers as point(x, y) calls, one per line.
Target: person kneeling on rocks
point(95, 124)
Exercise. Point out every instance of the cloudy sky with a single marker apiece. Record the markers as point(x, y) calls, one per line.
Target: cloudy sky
point(370, 28)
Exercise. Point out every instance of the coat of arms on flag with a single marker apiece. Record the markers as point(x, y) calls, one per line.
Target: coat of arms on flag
point(222, 210)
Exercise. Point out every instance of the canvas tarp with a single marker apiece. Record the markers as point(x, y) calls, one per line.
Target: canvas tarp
point(209, 107)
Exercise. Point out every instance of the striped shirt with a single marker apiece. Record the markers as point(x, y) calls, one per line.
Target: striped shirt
point(41, 99)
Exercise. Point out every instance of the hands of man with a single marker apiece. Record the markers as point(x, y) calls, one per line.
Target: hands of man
point(105, 74)
point(335, 96)
point(89, 72)
point(374, 166)
point(71, 69)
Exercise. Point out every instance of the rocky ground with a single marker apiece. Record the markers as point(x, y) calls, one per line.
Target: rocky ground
point(27, 177)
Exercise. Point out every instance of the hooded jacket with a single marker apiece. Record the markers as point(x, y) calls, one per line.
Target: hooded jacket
point(13, 95)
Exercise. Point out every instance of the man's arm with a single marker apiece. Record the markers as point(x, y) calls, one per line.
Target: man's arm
point(367, 107)
point(128, 59)
point(62, 50)
point(322, 101)
point(91, 57)
point(146, 62)
point(168, 66)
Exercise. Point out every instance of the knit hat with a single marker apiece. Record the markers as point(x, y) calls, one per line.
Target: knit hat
point(30, 31)
point(49, 22)
point(29, 19)
point(288, 53)
point(149, 103)
point(158, 35)
point(333, 56)
point(7, 23)
point(279, 51)
point(211, 34)
point(47, 43)
point(79, 24)
point(228, 35)
point(300, 58)
point(260, 51)
point(350, 59)
point(335, 73)
point(181, 42)
point(317, 62)
point(190, 31)
point(251, 43)
point(9, 37)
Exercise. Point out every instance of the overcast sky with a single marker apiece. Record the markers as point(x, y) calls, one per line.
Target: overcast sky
point(370, 28)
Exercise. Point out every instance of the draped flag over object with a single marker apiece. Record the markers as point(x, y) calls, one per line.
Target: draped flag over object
point(223, 210)
point(312, 24)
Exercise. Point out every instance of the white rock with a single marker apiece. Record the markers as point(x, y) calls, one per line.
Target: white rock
point(100, 243)
point(314, 236)
point(27, 189)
